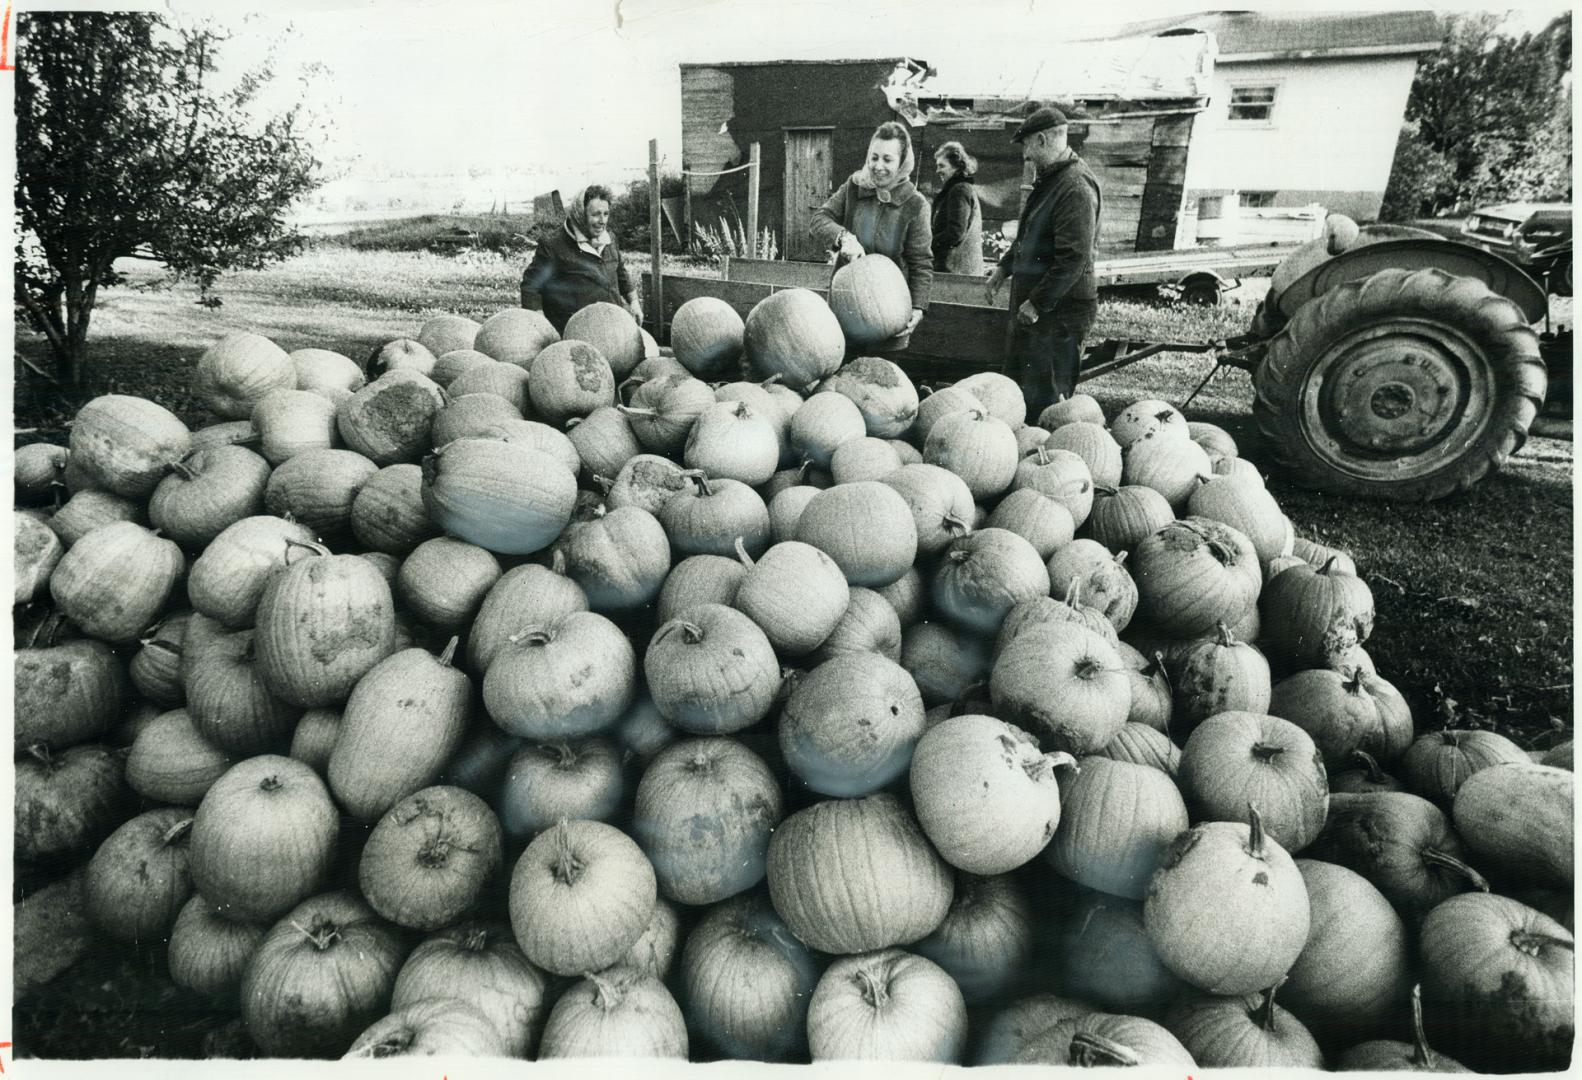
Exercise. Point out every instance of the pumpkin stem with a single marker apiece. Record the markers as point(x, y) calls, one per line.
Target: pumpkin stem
point(604, 482)
point(691, 632)
point(40, 753)
point(557, 561)
point(636, 410)
point(322, 937)
point(1532, 942)
point(697, 477)
point(1226, 638)
point(1450, 738)
point(1422, 1056)
point(741, 552)
point(1376, 775)
point(873, 988)
point(1042, 453)
point(1255, 832)
point(1156, 666)
point(316, 549)
point(1048, 763)
point(1329, 563)
point(1105, 489)
point(572, 422)
point(606, 994)
point(1095, 1051)
point(1120, 557)
point(1088, 667)
point(182, 471)
point(536, 634)
point(270, 783)
point(958, 705)
point(449, 655)
point(563, 751)
point(1353, 680)
point(1074, 594)
point(1266, 753)
point(568, 868)
point(742, 410)
point(955, 525)
point(1222, 552)
point(802, 470)
point(476, 939)
point(1435, 857)
point(1265, 1013)
point(177, 832)
point(771, 380)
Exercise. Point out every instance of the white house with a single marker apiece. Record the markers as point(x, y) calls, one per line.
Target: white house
point(1305, 106)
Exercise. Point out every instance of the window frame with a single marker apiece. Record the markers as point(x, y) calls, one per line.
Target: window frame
point(1274, 86)
point(1265, 200)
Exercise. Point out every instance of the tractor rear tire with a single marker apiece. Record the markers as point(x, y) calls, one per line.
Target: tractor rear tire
point(1409, 385)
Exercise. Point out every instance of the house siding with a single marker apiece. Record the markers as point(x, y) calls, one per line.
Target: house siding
point(1331, 139)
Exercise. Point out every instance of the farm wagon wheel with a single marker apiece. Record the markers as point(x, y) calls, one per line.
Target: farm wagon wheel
point(1406, 385)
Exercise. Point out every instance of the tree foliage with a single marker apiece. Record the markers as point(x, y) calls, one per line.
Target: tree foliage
point(1488, 120)
point(129, 144)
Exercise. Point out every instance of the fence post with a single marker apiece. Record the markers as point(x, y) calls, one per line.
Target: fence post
point(754, 158)
point(657, 244)
point(687, 231)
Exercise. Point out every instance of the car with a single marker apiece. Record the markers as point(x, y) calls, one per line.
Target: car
point(1518, 231)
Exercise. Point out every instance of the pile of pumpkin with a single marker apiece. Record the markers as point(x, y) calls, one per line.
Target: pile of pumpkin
point(565, 697)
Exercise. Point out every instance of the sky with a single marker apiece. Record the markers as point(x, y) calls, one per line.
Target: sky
point(572, 90)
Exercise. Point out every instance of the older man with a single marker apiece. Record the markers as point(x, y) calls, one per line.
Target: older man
point(1054, 298)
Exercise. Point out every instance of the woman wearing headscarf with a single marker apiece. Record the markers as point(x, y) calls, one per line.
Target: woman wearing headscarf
point(958, 218)
point(580, 264)
point(879, 209)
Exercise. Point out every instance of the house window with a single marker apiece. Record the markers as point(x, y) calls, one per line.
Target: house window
point(1257, 200)
point(1252, 104)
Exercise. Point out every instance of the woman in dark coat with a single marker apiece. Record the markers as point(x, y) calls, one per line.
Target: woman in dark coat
point(579, 264)
point(879, 209)
point(958, 218)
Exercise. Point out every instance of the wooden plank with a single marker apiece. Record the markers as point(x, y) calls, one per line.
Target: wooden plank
point(809, 179)
point(1173, 130)
point(707, 102)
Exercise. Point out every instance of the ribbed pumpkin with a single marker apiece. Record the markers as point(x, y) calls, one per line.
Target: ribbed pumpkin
point(564, 679)
point(1150, 416)
point(87, 510)
point(610, 329)
point(1116, 820)
point(67, 802)
point(1227, 908)
point(524, 596)
point(1247, 1032)
point(230, 702)
point(505, 382)
point(545, 783)
point(648, 481)
point(291, 421)
point(832, 871)
point(1101, 578)
point(937, 405)
point(330, 375)
point(443, 582)
point(849, 725)
point(978, 447)
point(698, 579)
point(391, 419)
point(1064, 683)
point(868, 458)
point(580, 896)
point(664, 409)
point(794, 334)
point(1342, 712)
point(208, 491)
point(1311, 551)
point(622, 1012)
point(1438, 763)
point(1094, 445)
point(1099, 1040)
point(825, 421)
point(786, 510)
point(263, 838)
point(114, 582)
point(516, 336)
point(1499, 984)
point(1009, 1029)
point(1312, 614)
point(712, 671)
point(478, 962)
point(1350, 979)
point(1078, 408)
point(208, 952)
point(570, 378)
point(882, 392)
point(866, 527)
point(1152, 695)
point(124, 444)
point(429, 857)
point(941, 504)
point(890, 1005)
point(1061, 475)
point(704, 813)
point(1107, 959)
point(944, 661)
point(1392, 1054)
point(1194, 574)
point(604, 440)
point(237, 371)
point(869, 625)
point(1222, 675)
point(1000, 394)
point(170, 762)
point(1236, 758)
point(1213, 438)
point(321, 975)
point(1250, 511)
point(1038, 519)
point(709, 517)
point(228, 578)
point(447, 1026)
point(38, 467)
point(984, 794)
point(66, 694)
point(139, 878)
point(38, 551)
point(795, 593)
point(387, 512)
point(318, 488)
point(907, 595)
point(1362, 775)
point(1171, 466)
point(1516, 818)
point(501, 496)
point(322, 623)
point(619, 557)
point(870, 299)
point(733, 441)
point(447, 333)
point(985, 574)
point(1141, 744)
point(405, 355)
point(706, 334)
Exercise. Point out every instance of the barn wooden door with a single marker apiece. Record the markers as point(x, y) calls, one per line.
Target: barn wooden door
point(809, 179)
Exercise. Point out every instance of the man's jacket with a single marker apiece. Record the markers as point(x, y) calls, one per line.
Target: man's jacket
point(1056, 235)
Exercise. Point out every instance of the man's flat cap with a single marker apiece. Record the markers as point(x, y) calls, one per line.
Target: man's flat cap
point(1041, 120)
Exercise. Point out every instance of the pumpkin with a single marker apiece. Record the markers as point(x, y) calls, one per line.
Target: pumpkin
point(1251, 511)
point(870, 625)
point(746, 981)
point(263, 837)
point(209, 953)
point(939, 404)
point(865, 527)
point(604, 440)
point(1559, 756)
point(314, 738)
point(321, 974)
point(1317, 555)
point(1499, 984)
point(228, 433)
point(830, 864)
point(479, 963)
point(1227, 909)
point(825, 421)
point(1351, 977)
point(38, 551)
point(237, 371)
point(1342, 713)
point(1438, 763)
point(986, 940)
point(1233, 759)
point(139, 878)
point(291, 421)
point(1362, 775)
point(907, 595)
point(611, 330)
point(870, 299)
point(1047, 611)
point(1213, 438)
point(1008, 1030)
point(387, 512)
point(171, 762)
point(473, 416)
point(707, 335)
point(1141, 744)
point(850, 725)
point(1193, 574)
point(88, 510)
point(570, 378)
point(1000, 394)
point(1313, 614)
point(564, 679)
point(1106, 1040)
point(888, 1005)
point(1106, 957)
point(882, 392)
point(868, 458)
point(698, 579)
point(429, 857)
point(207, 492)
point(1246, 1032)
point(502, 496)
point(66, 694)
point(1239, 469)
point(794, 334)
point(496, 379)
point(704, 812)
point(1101, 578)
point(941, 504)
point(124, 445)
point(1170, 466)
point(1077, 408)
point(522, 597)
point(1389, 1054)
point(619, 557)
point(1117, 819)
point(985, 574)
point(115, 582)
point(1223, 675)
point(229, 577)
point(621, 1012)
point(1094, 445)
point(322, 623)
point(944, 661)
point(711, 671)
point(318, 488)
point(663, 411)
point(786, 509)
point(648, 481)
point(1150, 416)
point(1063, 682)
point(447, 333)
point(979, 448)
point(732, 441)
point(1516, 818)
point(795, 593)
point(580, 896)
point(391, 419)
point(710, 517)
point(1152, 695)
point(402, 355)
point(402, 722)
point(516, 336)
point(66, 802)
point(1038, 519)
point(545, 783)
point(38, 468)
point(436, 1026)
point(1061, 475)
point(1401, 843)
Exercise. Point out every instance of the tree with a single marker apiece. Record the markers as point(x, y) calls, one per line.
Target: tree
point(127, 145)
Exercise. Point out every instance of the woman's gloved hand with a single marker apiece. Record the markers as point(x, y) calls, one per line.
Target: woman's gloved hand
point(851, 247)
